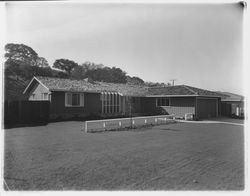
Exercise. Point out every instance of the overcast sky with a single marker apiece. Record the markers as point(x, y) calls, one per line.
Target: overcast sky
point(197, 44)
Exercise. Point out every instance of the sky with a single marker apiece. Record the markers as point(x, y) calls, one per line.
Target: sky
point(197, 44)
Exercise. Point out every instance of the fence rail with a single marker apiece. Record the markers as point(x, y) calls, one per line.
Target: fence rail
point(18, 113)
point(121, 123)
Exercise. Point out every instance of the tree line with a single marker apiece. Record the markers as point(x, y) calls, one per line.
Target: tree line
point(23, 62)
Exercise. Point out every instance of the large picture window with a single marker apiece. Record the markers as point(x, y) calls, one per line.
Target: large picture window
point(74, 99)
point(110, 103)
point(162, 101)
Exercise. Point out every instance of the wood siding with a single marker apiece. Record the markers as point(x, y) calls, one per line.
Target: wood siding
point(92, 105)
point(37, 91)
point(178, 106)
point(178, 110)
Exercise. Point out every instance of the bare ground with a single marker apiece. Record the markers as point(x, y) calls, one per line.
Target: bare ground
point(181, 156)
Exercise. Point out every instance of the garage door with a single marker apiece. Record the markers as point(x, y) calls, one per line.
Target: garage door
point(206, 108)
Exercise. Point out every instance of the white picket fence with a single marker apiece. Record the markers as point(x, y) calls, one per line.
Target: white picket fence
point(121, 123)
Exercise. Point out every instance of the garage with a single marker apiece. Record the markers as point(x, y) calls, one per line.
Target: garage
point(207, 107)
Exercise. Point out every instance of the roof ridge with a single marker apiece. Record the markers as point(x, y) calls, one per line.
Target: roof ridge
point(164, 86)
point(187, 87)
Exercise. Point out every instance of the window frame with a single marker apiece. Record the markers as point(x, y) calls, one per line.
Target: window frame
point(159, 101)
point(70, 94)
point(43, 96)
point(110, 103)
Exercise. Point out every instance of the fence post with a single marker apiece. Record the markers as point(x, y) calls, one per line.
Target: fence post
point(19, 111)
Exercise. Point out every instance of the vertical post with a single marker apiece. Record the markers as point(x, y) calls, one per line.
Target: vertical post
point(217, 108)
point(130, 110)
point(102, 96)
point(196, 109)
point(86, 127)
point(19, 111)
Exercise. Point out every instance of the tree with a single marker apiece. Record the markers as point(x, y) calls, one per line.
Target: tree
point(107, 74)
point(78, 72)
point(134, 80)
point(65, 64)
point(88, 65)
point(20, 54)
point(42, 62)
point(118, 75)
point(157, 84)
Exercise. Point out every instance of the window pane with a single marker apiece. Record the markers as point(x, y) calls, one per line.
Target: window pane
point(108, 99)
point(105, 99)
point(115, 95)
point(82, 99)
point(158, 101)
point(167, 101)
point(118, 99)
point(105, 102)
point(68, 97)
point(75, 99)
point(45, 96)
point(163, 101)
point(113, 102)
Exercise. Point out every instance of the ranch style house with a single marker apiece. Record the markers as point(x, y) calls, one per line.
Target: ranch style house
point(82, 98)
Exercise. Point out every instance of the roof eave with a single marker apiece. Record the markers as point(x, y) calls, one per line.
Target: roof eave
point(171, 95)
point(195, 95)
point(34, 78)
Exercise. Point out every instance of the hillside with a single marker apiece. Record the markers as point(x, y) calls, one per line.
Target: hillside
point(14, 87)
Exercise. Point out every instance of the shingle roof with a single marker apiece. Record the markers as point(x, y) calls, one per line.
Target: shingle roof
point(231, 97)
point(181, 90)
point(59, 84)
point(170, 90)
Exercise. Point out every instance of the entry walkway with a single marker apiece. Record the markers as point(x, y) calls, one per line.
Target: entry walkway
point(229, 121)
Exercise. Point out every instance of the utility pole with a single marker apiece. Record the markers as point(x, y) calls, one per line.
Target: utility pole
point(173, 81)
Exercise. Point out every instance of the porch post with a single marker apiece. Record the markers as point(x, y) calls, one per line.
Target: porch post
point(195, 109)
point(217, 108)
point(102, 97)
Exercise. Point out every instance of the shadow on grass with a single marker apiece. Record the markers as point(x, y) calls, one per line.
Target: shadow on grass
point(167, 129)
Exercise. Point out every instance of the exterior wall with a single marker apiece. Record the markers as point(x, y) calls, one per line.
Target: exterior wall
point(92, 106)
point(131, 105)
point(233, 108)
point(136, 104)
point(148, 105)
point(38, 91)
point(178, 110)
point(178, 106)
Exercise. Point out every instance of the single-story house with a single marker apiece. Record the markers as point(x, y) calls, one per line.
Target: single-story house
point(232, 104)
point(83, 98)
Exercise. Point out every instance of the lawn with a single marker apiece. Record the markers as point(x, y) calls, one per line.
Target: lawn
point(181, 156)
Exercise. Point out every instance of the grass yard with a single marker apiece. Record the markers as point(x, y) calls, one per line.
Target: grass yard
point(181, 156)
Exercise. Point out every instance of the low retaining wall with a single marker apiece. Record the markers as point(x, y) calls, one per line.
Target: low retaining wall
point(123, 123)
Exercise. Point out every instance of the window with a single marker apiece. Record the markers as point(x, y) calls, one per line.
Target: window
point(162, 101)
point(74, 99)
point(110, 103)
point(45, 96)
